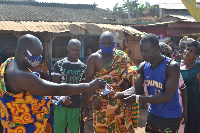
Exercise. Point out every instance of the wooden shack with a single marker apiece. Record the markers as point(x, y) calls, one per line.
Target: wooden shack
point(55, 24)
point(133, 43)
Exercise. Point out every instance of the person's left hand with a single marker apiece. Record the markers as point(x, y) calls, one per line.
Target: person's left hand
point(130, 100)
point(86, 115)
point(98, 84)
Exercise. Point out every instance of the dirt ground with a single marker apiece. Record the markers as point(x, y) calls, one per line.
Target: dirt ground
point(141, 123)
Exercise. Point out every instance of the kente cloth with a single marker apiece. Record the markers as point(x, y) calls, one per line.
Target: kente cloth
point(113, 117)
point(23, 112)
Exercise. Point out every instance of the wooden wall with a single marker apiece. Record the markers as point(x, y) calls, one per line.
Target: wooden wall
point(133, 43)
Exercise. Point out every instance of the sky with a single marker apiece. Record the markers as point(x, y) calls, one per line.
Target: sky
point(107, 3)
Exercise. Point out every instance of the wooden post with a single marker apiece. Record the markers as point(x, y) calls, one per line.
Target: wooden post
point(49, 43)
point(82, 45)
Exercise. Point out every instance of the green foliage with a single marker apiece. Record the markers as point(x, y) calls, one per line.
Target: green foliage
point(132, 4)
point(135, 8)
point(118, 9)
point(108, 9)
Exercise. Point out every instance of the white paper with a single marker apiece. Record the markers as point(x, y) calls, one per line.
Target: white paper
point(106, 90)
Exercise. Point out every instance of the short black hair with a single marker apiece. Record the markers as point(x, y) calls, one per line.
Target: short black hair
point(186, 40)
point(196, 44)
point(74, 41)
point(150, 37)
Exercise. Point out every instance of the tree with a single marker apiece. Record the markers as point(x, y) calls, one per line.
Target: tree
point(118, 10)
point(108, 9)
point(133, 5)
point(136, 9)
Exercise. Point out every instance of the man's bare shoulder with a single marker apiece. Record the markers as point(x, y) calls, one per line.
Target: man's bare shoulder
point(174, 65)
point(12, 71)
point(173, 68)
point(141, 67)
point(95, 55)
point(15, 78)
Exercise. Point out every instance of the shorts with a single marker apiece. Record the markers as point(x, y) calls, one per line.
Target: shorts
point(64, 116)
point(157, 124)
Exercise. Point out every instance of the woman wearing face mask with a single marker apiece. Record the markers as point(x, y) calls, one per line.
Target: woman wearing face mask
point(190, 71)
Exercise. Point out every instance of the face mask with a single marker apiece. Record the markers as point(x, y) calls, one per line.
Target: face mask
point(33, 60)
point(107, 50)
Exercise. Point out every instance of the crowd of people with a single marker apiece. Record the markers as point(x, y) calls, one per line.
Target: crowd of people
point(168, 79)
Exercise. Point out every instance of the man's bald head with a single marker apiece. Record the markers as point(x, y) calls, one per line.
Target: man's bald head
point(28, 41)
point(28, 45)
point(107, 34)
point(74, 42)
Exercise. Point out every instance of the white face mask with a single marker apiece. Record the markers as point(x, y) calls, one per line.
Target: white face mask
point(33, 63)
point(33, 60)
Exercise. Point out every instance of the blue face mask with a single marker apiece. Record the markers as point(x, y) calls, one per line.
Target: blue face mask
point(107, 50)
point(33, 60)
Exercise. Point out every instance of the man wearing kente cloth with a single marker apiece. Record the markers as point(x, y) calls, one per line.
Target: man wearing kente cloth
point(113, 66)
point(23, 105)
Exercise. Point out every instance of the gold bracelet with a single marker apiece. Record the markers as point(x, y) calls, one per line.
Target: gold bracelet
point(95, 95)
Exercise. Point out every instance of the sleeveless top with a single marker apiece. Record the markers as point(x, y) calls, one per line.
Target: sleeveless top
point(155, 82)
point(22, 108)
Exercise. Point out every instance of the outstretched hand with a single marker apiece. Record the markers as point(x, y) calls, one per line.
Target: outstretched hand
point(112, 95)
point(98, 83)
point(130, 99)
point(118, 95)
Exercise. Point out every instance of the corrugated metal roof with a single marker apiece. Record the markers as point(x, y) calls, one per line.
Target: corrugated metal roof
point(75, 28)
point(182, 17)
point(56, 12)
point(156, 24)
point(55, 27)
point(172, 5)
point(11, 26)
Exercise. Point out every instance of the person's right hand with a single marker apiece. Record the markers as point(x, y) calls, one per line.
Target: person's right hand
point(112, 95)
point(96, 103)
point(98, 83)
point(67, 101)
point(129, 100)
